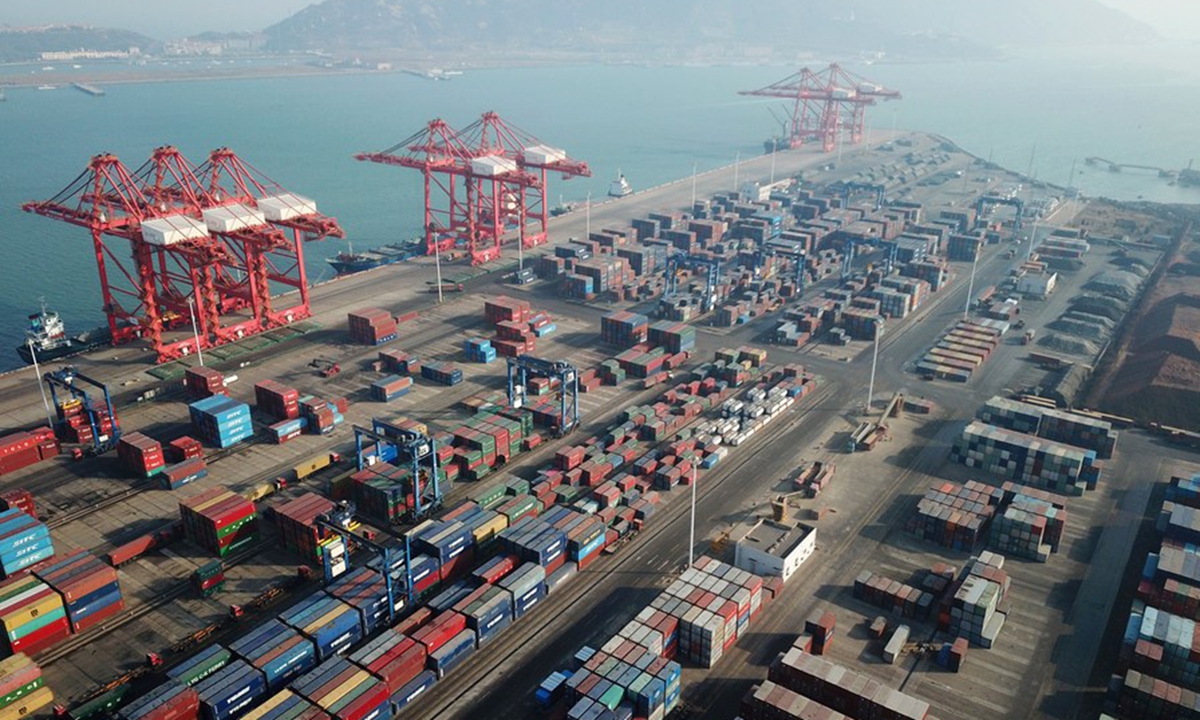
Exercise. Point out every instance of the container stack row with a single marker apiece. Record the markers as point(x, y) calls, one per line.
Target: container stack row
point(220, 521)
point(1060, 468)
point(390, 388)
point(372, 326)
point(960, 351)
point(23, 690)
point(892, 595)
point(1060, 426)
point(399, 362)
point(442, 373)
point(22, 449)
point(955, 516)
point(842, 690)
point(479, 350)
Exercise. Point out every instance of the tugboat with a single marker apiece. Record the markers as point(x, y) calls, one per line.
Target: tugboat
point(50, 340)
point(345, 263)
point(620, 187)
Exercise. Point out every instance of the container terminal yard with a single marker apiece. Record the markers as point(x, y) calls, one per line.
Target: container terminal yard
point(861, 371)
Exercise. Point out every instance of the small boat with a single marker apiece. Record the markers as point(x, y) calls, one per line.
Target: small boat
point(47, 87)
point(620, 187)
point(48, 337)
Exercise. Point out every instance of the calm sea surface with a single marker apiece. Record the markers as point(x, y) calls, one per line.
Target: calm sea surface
point(1128, 105)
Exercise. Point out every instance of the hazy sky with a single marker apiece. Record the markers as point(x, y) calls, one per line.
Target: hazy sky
point(166, 19)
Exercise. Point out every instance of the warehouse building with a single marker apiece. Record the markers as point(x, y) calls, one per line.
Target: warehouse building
point(771, 548)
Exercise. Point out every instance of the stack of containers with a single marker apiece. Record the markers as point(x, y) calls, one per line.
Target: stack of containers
point(769, 701)
point(527, 586)
point(201, 665)
point(505, 309)
point(536, 541)
point(634, 683)
point(221, 421)
point(286, 705)
point(675, 337)
point(23, 691)
point(479, 350)
point(88, 586)
point(76, 426)
point(397, 361)
point(296, 523)
point(23, 542)
point(344, 691)
point(902, 599)
point(1029, 527)
point(176, 476)
point(287, 430)
point(202, 382)
point(403, 697)
point(390, 388)
point(1025, 458)
point(440, 630)
point(955, 516)
point(280, 652)
point(32, 616)
point(382, 491)
point(170, 701)
point(714, 604)
point(820, 627)
point(322, 415)
point(277, 400)
point(184, 448)
point(231, 691)
point(973, 611)
point(332, 625)
point(1057, 425)
point(219, 520)
point(451, 544)
point(18, 500)
point(843, 690)
point(952, 655)
point(23, 449)
point(364, 590)
point(1164, 644)
point(372, 326)
point(488, 610)
point(443, 373)
point(452, 653)
point(140, 454)
point(1171, 579)
point(624, 329)
point(392, 657)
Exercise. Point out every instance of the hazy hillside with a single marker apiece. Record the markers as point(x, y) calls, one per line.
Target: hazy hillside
point(699, 29)
point(28, 44)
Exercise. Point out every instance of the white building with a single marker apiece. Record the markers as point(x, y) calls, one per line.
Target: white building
point(1038, 285)
point(771, 548)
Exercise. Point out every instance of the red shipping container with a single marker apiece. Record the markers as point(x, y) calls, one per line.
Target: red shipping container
point(370, 700)
point(439, 631)
point(42, 638)
point(414, 622)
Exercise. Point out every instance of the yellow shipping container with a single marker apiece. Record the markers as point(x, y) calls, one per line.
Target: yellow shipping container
point(16, 618)
point(490, 529)
point(339, 692)
point(310, 466)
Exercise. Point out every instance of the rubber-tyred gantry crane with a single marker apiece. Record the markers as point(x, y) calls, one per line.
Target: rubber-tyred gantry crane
point(482, 184)
point(825, 104)
point(196, 249)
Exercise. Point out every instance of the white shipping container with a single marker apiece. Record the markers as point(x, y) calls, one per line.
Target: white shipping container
point(232, 218)
point(492, 166)
point(544, 155)
point(173, 229)
point(286, 206)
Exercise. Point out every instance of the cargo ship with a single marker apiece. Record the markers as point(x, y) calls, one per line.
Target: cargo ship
point(620, 187)
point(345, 263)
point(49, 339)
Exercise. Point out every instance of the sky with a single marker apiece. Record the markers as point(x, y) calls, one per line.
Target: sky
point(1173, 18)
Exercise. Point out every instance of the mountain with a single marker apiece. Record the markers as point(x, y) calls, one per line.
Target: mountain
point(24, 44)
point(697, 29)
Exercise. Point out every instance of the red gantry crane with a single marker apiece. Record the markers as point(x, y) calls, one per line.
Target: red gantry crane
point(481, 184)
point(824, 104)
point(193, 248)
